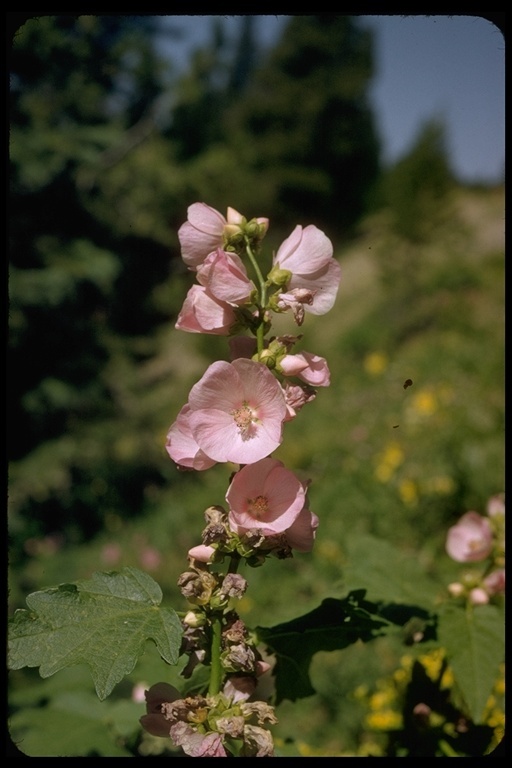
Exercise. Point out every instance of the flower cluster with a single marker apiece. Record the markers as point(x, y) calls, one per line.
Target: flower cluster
point(236, 414)
point(477, 538)
point(202, 725)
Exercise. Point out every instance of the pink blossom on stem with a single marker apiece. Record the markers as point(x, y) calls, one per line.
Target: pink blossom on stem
point(237, 411)
point(496, 505)
point(206, 230)
point(296, 396)
point(225, 277)
point(471, 539)
point(197, 744)
point(292, 365)
point(478, 596)
point(202, 312)
point(494, 583)
point(301, 534)
point(295, 300)
point(242, 687)
point(202, 233)
point(181, 446)
point(308, 254)
point(264, 496)
point(310, 368)
point(202, 552)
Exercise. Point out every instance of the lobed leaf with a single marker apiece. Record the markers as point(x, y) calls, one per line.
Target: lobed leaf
point(386, 573)
point(103, 622)
point(474, 639)
point(334, 625)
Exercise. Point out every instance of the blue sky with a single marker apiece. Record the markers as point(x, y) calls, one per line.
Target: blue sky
point(446, 67)
point(449, 67)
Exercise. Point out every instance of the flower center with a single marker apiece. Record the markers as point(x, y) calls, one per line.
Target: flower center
point(244, 419)
point(258, 507)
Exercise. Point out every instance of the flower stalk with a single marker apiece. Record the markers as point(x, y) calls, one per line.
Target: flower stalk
point(215, 664)
point(236, 413)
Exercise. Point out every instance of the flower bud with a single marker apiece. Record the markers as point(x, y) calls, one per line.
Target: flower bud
point(279, 277)
point(456, 589)
point(194, 620)
point(478, 596)
point(267, 357)
point(233, 217)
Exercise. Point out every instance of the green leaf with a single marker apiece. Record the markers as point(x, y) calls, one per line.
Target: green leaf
point(103, 622)
point(335, 624)
point(474, 639)
point(75, 724)
point(386, 573)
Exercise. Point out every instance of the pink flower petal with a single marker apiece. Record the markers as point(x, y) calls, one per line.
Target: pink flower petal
point(201, 234)
point(181, 446)
point(302, 532)
point(197, 744)
point(237, 411)
point(308, 254)
point(325, 284)
point(470, 540)
point(225, 277)
point(202, 552)
point(204, 313)
point(305, 251)
point(266, 496)
point(316, 372)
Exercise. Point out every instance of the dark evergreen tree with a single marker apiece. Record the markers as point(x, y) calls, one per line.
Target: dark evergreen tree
point(308, 126)
point(92, 190)
point(416, 190)
point(201, 98)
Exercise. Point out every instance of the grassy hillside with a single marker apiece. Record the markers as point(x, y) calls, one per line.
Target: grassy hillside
point(392, 462)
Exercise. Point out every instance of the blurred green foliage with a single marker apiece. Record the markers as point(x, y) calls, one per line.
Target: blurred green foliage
point(108, 147)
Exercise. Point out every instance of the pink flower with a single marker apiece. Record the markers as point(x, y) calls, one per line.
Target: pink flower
point(494, 583)
point(496, 505)
point(296, 396)
point(310, 368)
point(155, 722)
point(197, 744)
point(204, 313)
point(150, 558)
point(163, 720)
point(237, 411)
point(242, 687)
point(292, 365)
point(202, 552)
point(181, 446)
point(295, 301)
point(206, 230)
point(264, 496)
point(202, 233)
point(225, 277)
point(301, 534)
point(478, 596)
point(307, 254)
point(470, 540)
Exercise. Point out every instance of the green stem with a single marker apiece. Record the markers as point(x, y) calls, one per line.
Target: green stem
point(216, 667)
point(260, 333)
point(216, 647)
